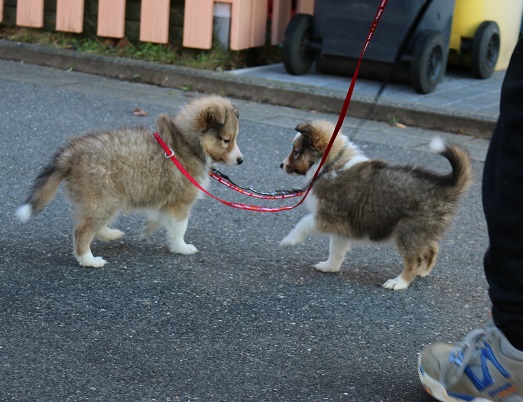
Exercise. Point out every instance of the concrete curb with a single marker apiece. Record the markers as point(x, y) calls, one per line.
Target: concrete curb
point(255, 89)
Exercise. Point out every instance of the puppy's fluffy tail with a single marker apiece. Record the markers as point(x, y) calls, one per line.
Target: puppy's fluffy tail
point(460, 178)
point(45, 187)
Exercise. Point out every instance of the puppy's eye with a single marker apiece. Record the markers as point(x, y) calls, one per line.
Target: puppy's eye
point(295, 153)
point(226, 141)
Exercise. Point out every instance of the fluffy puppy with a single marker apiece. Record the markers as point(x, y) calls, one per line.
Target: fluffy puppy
point(121, 170)
point(355, 198)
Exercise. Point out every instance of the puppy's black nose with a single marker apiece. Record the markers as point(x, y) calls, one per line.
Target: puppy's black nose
point(281, 165)
point(239, 161)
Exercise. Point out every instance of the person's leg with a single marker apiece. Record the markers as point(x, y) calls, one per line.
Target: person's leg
point(503, 206)
point(487, 365)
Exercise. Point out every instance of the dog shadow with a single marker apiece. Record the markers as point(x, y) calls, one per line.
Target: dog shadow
point(370, 267)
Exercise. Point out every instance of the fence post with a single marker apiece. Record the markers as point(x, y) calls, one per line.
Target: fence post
point(281, 14)
point(197, 23)
point(154, 21)
point(30, 13)
point(259, 23)
point(241, 24)
point(248, 22)
point(70, 15)
point(111, 18)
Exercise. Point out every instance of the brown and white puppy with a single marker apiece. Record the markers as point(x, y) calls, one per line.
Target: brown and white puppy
point(355, 198)
point(122, 170)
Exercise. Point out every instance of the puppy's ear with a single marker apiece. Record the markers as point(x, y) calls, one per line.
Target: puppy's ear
point(213, 117)
point(168, 131)
point(312, 136)
point(166, 126)
point(304, 128)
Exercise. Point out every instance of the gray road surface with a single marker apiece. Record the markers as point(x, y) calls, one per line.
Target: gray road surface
point(242, 320)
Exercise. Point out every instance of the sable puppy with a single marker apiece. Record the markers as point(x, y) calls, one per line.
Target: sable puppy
point(121, 170)
point(356, 198)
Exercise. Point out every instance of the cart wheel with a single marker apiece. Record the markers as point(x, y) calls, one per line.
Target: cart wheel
point(428, 62)
point(485, 49)
point(297, 58)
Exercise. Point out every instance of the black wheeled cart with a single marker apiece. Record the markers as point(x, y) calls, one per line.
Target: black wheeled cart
point(334, 37)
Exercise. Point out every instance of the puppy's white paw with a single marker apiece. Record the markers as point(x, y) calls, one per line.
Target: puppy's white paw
point(290, 240)
point(184, 248)
point(88, 260)
point(325, 266)
point(24, 212)
point(107, 234)
point(397, 283)
point(286, 242)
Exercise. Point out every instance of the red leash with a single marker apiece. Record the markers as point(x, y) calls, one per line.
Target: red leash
point(251, 192)
point(169, 153)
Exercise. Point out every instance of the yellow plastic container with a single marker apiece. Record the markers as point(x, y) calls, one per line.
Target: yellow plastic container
point(468, 17)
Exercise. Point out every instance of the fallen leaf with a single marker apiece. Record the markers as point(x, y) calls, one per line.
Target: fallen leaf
point(140, 112)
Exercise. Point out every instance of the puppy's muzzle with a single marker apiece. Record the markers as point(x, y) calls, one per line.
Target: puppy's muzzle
point(235, 157)
point(285, 168)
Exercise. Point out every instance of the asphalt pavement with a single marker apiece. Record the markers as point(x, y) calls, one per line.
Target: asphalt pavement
point(241, 320)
